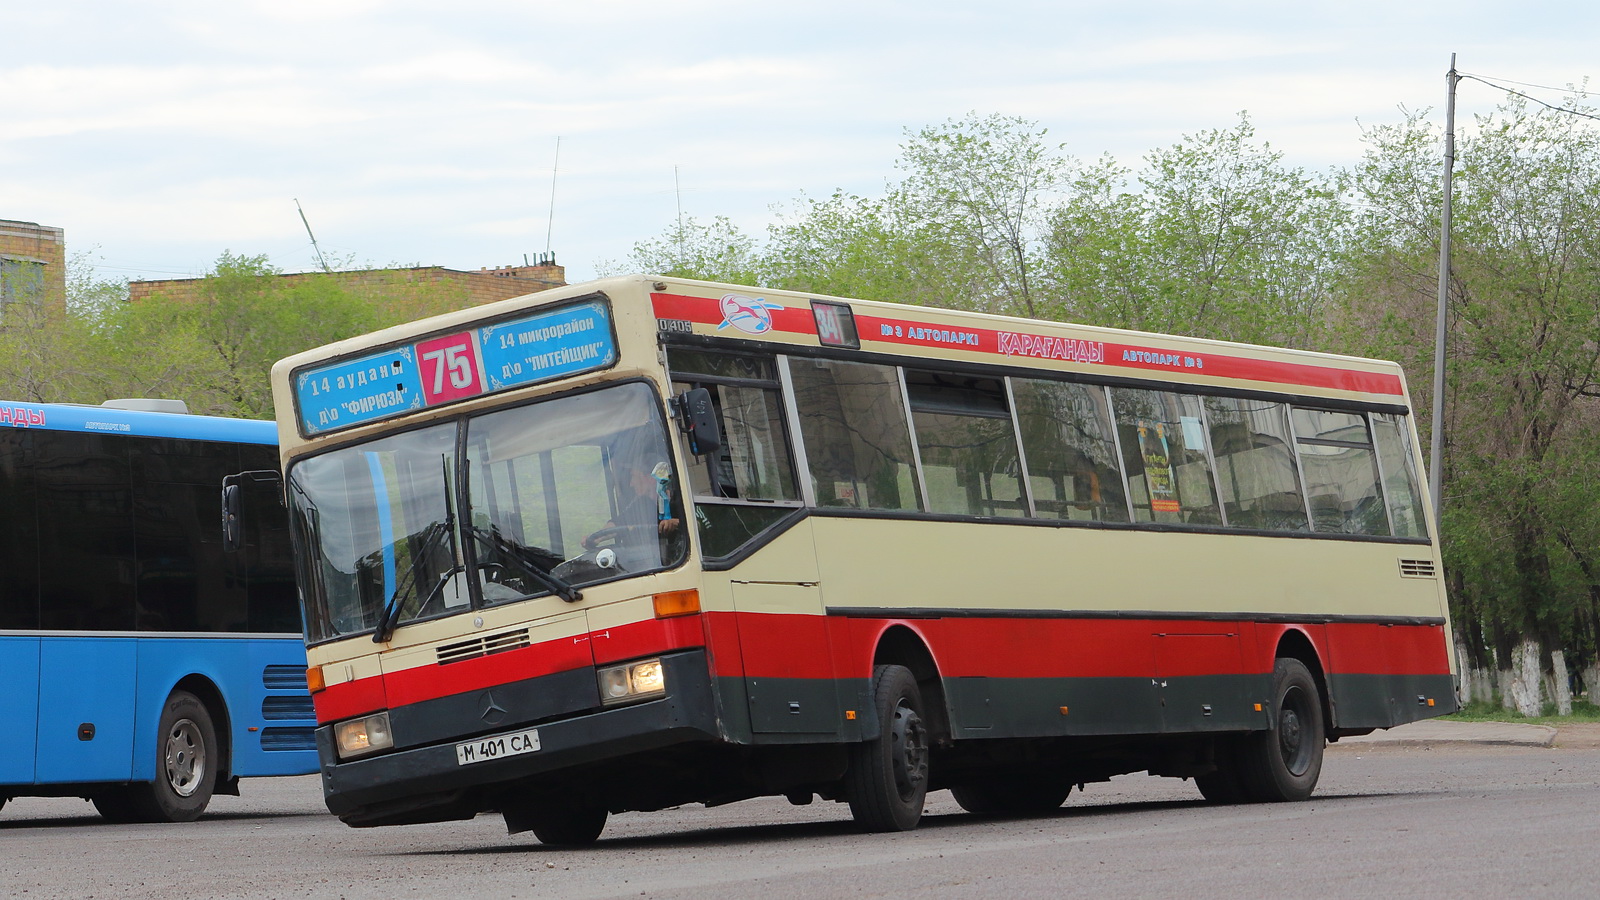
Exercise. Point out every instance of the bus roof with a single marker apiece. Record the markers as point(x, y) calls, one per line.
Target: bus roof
point(797, 322)
point(134, 423)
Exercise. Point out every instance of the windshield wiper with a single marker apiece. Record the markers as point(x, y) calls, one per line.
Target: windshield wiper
point(391, 609)
point(527, 562)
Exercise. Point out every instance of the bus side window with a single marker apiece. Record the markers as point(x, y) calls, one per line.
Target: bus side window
point(1400, 478)
point(1072, 455)
point(1164, 452)
point(1341, 472)
point(966, 444)
point(1253, 449)
point(754, 466)
point(857, 440)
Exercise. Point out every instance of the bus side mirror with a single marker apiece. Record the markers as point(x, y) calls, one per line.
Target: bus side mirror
point(697, 416)
point(233, 505)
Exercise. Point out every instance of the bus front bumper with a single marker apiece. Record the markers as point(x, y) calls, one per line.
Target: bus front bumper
point(431, 784)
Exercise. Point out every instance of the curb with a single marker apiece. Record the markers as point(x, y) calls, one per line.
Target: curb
point(1434, 733)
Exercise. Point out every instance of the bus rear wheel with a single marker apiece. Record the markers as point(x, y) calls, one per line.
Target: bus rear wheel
point(888, 777)
point(186, 769)
point(1285, 761)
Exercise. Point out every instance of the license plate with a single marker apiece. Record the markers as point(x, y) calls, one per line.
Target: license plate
point(497, 747)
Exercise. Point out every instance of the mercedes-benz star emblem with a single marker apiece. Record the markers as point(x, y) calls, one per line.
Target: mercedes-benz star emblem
point(490, 711)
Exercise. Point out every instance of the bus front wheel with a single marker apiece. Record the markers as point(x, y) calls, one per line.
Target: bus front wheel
point(186, 769)
point(1285, 761)
point(887, 780)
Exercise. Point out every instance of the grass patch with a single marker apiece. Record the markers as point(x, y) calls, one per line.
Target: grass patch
point(1582, 711)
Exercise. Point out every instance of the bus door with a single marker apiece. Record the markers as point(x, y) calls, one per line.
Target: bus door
point(19, 607)
point(87, 583)
point(788, 661)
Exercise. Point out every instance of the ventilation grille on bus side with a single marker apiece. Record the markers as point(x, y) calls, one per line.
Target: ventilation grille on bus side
point(284, 678)
point(1416, 568)
point(288, 739)
point(484, 646)
point(277, 708)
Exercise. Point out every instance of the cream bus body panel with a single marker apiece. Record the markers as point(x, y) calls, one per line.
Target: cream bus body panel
point(1000, 566)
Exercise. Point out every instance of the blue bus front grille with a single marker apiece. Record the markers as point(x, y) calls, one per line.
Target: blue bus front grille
point(278, 708)
point(284, 678)
point(288, 739)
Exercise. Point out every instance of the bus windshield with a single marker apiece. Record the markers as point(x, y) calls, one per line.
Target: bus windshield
point(560, 493)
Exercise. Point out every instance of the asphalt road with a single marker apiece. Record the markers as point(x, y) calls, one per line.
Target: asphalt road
point(1445, 821)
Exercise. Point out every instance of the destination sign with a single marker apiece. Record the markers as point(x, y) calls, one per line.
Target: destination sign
point(446, 368)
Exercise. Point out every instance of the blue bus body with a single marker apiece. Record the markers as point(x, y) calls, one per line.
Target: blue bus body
point(116, 596)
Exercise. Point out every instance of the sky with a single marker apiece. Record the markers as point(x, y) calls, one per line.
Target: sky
point(160, 134)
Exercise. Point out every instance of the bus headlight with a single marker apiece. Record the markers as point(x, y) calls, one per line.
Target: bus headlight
point(632, 681)
point(368, 734)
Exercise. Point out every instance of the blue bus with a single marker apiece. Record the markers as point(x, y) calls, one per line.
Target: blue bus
point(141, 667)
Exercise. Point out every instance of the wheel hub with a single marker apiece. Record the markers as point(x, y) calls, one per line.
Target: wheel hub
point(909, 751)
point(185, 757)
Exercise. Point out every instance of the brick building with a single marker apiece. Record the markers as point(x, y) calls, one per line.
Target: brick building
point(462, 288)
point(33, 264)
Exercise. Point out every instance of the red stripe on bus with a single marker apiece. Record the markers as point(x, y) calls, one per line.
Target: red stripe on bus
point(774, 645)
point(352, 698)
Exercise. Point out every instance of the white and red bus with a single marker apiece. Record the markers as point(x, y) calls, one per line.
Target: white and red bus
point(645, 542)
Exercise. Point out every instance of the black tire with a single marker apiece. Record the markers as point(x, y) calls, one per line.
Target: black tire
point(186, 769)
point(1011, 794)
point(887, 781)
point(578, 825)
point(1284, 762)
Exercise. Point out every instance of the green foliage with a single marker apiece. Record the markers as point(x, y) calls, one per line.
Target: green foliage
point(213, 347)
point(719, 251)
point(1221, 240)
point(1582, 711)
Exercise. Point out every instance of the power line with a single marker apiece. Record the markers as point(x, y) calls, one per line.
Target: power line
point(1578, 92)
point(1561, 109)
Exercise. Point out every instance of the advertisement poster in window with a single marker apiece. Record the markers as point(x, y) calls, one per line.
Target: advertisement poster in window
point(1158, 467)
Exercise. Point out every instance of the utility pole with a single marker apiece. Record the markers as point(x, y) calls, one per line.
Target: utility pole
point(320, 261)
point(1436, 454)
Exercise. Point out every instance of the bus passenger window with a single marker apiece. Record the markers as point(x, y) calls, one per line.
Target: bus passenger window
point(966, 444)
point(1253, 449)
point(1072, 456)
point(754, 486)
point(1341, 472)
point(853, 424)
point(1164, 453)
point(1400, 480)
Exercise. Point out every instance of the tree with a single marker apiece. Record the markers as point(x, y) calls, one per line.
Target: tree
point(719, 251)
point(1220, 240)
point(977, 188)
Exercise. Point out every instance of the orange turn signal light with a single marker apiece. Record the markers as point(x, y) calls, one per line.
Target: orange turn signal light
point(677, 603)
point(314, 680)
